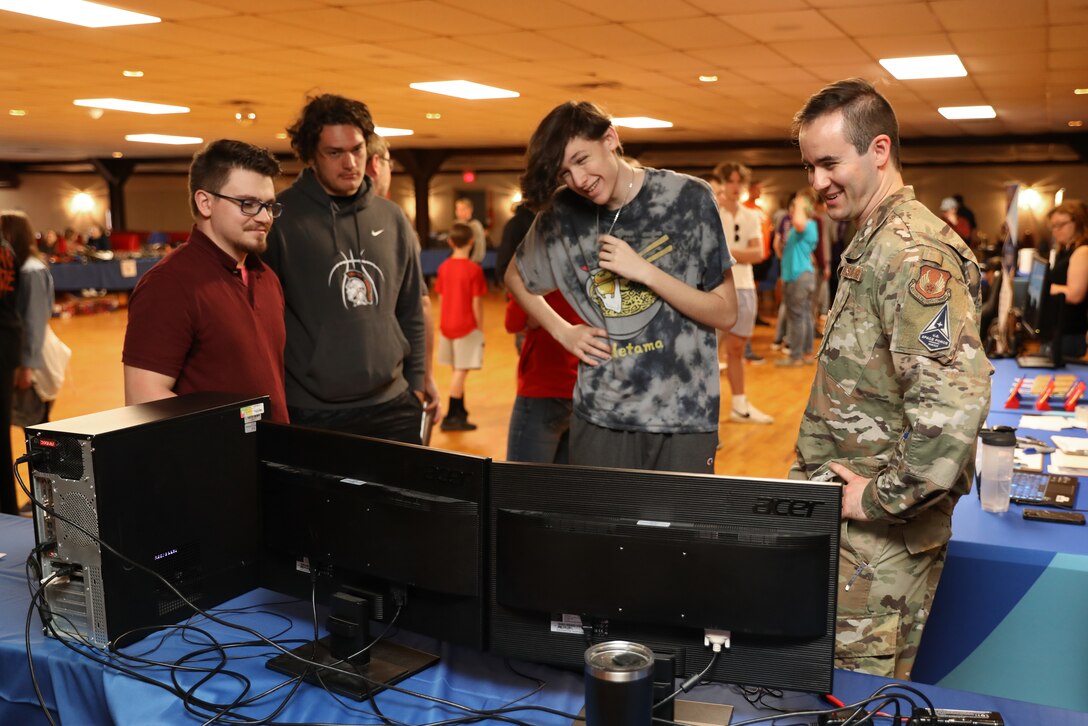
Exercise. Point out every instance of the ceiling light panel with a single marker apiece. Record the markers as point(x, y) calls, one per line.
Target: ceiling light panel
point(77, 12)
point(928, 66)
point(464, 89)
point(122, 104)
point(959, 113)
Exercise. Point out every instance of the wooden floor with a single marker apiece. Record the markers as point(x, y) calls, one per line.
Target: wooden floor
point(95, 383)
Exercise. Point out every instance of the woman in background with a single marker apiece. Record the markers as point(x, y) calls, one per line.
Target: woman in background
point(35, 306)
point(1069, 276)
point(10, 332)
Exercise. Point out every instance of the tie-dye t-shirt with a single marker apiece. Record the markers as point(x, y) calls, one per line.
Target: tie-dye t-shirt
point(663, 375)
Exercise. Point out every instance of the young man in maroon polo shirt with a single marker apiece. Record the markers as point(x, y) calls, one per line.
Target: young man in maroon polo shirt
point(210, 316)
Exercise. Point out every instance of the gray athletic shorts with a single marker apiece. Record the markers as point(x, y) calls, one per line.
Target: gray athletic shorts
point(592, 445)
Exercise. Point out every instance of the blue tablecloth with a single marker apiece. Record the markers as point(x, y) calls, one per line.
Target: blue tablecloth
point(1011, 614)
point(81, 691)
point(100, 275)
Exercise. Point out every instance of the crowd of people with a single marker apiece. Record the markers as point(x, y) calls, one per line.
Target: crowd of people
point(632, 290)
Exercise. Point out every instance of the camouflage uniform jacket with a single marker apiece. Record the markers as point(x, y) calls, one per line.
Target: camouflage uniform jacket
point(902, 384)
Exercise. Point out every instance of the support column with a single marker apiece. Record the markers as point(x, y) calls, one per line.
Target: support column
point(422, 164)
point(116, 172)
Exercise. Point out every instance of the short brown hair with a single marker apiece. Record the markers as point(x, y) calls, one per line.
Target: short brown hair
point(1076, 211)
point(725, 170)
point(212, 166)
point(866, 114)
point(327, 110)
point(544, 157)
point(376, 144)
point(15, 227)
point(461, 235)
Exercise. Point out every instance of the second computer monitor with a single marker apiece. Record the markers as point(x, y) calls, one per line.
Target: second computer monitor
point(582, 555)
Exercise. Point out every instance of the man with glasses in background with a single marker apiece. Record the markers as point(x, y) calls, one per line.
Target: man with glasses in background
point(210, 316)
point(349, 265)
point(379, 164)
point(379, 167)
point(744, 233)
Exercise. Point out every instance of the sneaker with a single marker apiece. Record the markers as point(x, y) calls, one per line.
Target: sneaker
point(761, 322)
point(754, 415)
point(776, 346)
point(457, 423)
point(753, 358)
point(792, 362)
point(722, 365)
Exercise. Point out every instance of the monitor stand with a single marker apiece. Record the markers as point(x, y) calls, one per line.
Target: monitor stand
point(389, 664)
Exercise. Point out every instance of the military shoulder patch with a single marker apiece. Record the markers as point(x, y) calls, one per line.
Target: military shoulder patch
point(935, 336)
point(930, 287)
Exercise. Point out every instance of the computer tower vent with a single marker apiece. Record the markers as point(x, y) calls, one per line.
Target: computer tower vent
point(61, 456)
point(180, 567)
point(78, 509)
point(97, 604)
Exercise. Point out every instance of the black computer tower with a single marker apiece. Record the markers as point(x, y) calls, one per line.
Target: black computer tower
point(170, 485)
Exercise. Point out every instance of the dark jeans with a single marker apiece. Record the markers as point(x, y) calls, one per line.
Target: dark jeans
point(395, 420)
point(539, 430)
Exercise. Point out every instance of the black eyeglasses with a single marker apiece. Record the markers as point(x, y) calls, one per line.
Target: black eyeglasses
point(253, 207)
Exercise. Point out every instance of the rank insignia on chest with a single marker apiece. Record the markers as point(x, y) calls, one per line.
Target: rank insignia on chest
point(930, 287)
point(935, 336)
point(852, 272)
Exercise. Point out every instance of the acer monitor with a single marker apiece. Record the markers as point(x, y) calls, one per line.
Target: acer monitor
point(387, 532)
point(584, 555)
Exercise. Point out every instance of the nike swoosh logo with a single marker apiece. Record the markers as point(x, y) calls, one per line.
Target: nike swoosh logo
point(376, 232)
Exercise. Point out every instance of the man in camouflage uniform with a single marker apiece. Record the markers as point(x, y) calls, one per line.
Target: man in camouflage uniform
point(902, 384)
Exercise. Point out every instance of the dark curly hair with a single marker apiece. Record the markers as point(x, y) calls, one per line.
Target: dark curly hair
point(212, 166)
point(327, 110)
point(865, 113)
point(544, 157)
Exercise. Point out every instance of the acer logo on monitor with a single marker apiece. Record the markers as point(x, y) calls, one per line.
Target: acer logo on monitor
point(785, 507)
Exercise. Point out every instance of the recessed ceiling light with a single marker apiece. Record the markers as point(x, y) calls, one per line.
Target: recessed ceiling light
point(132, 74)
point(390, 131)
point(117, 155)
point(16, 112)
point(1076, 124)
point(433, 116)
point(708, 79)
point(464, 89)
point(641, 122)
point(957, 113)
point(77, 12)
point(121, 104)
point(281, 135)
point(927, 66)
point(164, 139)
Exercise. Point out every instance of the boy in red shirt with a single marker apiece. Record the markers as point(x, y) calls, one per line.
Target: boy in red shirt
point(461, 287)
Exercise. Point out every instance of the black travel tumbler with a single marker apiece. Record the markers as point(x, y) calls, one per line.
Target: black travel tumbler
point(619, 684)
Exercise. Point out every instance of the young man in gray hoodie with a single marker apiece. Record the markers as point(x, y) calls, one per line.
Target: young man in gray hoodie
point(349, 266)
